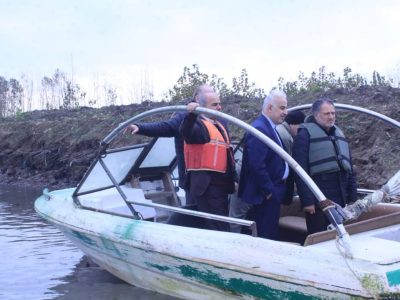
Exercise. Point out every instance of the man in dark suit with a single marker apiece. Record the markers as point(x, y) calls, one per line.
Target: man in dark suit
point(209, 160)
point(170, 128)
point(264, 174)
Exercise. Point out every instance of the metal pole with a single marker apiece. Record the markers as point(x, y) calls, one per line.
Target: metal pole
point(195, 213)
point(133, 211)
point(354, 108)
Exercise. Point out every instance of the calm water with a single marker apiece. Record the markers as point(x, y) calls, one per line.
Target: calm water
point(38, 262)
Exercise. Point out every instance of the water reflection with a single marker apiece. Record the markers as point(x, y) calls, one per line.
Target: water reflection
point(34, 253)
point(38, 262)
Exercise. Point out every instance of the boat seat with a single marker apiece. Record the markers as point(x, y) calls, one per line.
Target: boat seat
point(292, 217)
point(294, 223)
point(378, 216)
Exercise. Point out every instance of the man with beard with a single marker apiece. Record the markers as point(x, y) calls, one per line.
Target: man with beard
point(322, 150)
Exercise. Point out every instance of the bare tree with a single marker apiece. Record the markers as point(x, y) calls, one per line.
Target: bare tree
point(110, 94)
point(142, 91)
point(27, 99)
point(3, 96)
point(15, 95)
point(11, 94)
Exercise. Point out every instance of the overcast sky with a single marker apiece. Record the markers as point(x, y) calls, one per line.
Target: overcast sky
point(128, 42)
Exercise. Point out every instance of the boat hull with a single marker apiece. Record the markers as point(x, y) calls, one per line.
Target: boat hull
point(192, 263)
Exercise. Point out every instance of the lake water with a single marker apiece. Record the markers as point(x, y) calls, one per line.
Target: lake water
point(38, 262)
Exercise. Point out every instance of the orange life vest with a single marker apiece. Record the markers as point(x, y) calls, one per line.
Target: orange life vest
point(211, 156)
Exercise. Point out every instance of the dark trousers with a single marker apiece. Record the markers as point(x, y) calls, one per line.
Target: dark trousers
point(214, 201)
point(267, 213)
point(189, 198)
point(316, 222)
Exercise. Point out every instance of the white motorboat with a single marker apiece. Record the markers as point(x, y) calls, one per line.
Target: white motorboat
point(125, 214)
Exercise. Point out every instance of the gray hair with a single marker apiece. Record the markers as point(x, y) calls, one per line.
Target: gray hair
point(316, 106)
point(203, 99)
point(271, 96)
point(201, 89)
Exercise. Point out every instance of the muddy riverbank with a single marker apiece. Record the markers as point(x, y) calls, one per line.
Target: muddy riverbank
point(54, 148)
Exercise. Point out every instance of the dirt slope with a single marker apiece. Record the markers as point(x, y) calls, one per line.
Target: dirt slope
point(54, 148)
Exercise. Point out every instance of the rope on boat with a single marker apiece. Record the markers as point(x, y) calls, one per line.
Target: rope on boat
point(349, 262)
point(388, 193)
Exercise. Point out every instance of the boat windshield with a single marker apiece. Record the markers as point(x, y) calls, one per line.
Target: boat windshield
point(158, 154)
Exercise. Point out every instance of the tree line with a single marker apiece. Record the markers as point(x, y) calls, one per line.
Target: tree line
point(55, 92)
point(60, 92)
point(241, 85)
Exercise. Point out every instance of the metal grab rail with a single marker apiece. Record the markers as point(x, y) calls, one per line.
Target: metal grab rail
point(354, 108)
point(200, 214)
point(365, 191)
point(330, 212)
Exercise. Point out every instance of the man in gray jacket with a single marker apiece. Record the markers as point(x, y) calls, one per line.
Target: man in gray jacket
point(288, 129)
